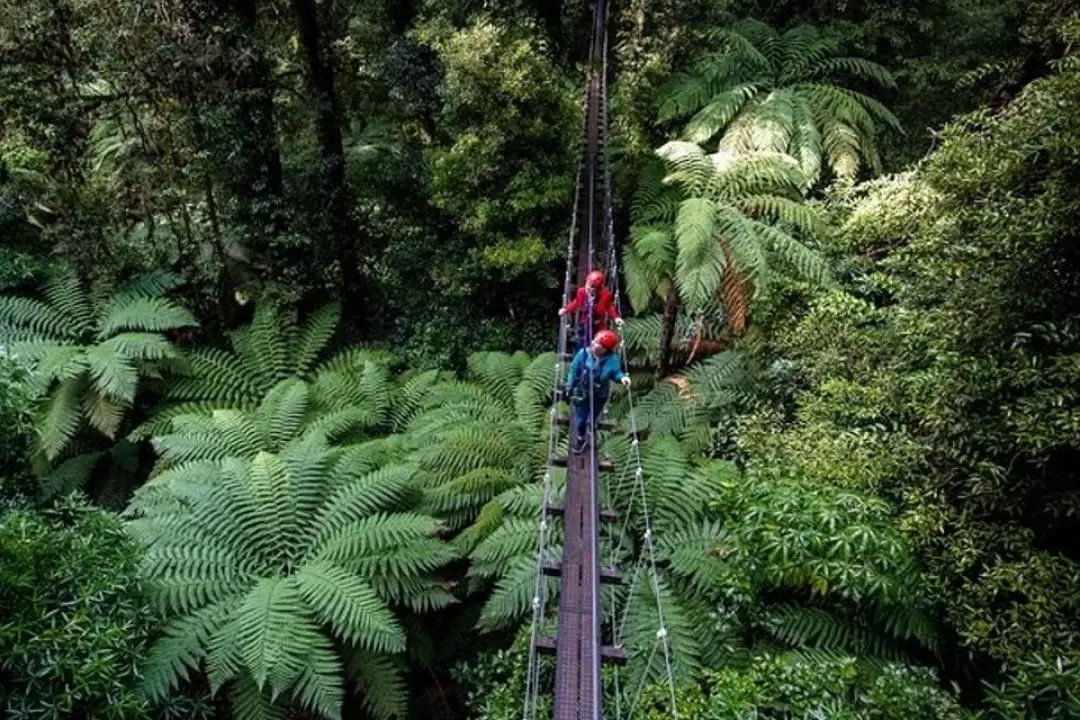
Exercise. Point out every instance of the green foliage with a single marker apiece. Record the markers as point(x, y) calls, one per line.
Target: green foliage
point(504, 172)
point(786, 687)
point(1036, 688)
point(687, 404)
point(277, 570)
point(773, 92)
point(341, 405)
point(73, 623)
point(17, 419)
point(272, 348)
point(713, 225)
point(943, 378)
point(493, 684)
point(482, 446)
point(274, 376)
point(91, 358)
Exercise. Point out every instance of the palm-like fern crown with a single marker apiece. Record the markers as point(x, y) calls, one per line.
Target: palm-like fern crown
point(289, 410)
point(279, 569)
point(351, 391)
point(688, 405)
point(773, 92)
point(482, 445)
point(271, 349)
point(712, 224)
point(91, 356)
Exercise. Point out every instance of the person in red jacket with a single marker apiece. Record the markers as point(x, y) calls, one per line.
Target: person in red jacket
point(593, 295)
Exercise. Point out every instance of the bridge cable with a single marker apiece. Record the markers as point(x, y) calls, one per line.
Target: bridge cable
point(539, 599)
point(639, 472)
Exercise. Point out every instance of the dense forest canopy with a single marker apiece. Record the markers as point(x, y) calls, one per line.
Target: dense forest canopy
point(278, 296)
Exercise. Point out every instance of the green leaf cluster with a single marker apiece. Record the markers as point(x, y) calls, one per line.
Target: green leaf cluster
point(279, 571)
point(73, 625)
point(91, 358)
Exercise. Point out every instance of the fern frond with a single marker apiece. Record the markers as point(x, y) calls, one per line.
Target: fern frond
point(216, 376)
point(382, 684)
point(69, 475)
point(284, 410)
point(179, 651)
point(350, 606)
point(250, 702)
point(720, 111)
point(319, 687)
point(23, 314)
point(143, 314)
point(268, 346)
point(496, 372)
point(150, 285)
point(856, 67)
point(512, 598)
point(807, 263)
point(113, 375)
point(61, 418)
point(699, 264)
point(140, 346)
point(684, 637)
point(410, 399)
point(65, 294)
point(471, 490)
point(515, 538)
point(312, 340)
point(806, 627)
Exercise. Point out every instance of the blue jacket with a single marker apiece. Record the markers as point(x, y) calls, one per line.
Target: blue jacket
point(604, 372)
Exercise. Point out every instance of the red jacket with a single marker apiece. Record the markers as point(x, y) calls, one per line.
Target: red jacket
point(603, 308)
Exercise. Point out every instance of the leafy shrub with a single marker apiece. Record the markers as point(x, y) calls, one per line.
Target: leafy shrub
point(73, 624)
point(790, 687)
point(16, 417)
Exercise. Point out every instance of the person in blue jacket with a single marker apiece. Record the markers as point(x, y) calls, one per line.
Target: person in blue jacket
point(599, 362)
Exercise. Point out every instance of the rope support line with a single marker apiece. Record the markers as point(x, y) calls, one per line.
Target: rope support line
point(578, 669)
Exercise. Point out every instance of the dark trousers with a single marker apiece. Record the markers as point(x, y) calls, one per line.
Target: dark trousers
point(581, 414)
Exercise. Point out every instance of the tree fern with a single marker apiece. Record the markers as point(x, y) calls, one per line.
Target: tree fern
point(270, 349)
point(476, 439)
point(711, 230)
point(763, 91)
point(91, 357)
point(346, 396)
point(264, 564)
point(804, 627)
point(737, 221)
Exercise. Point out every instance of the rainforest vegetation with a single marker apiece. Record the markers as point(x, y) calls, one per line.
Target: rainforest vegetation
point(278, 296)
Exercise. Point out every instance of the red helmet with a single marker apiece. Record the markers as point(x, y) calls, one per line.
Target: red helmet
point(607, 339)
point(595, 279)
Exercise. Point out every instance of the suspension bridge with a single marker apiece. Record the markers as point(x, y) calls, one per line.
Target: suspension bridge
point(585, 638)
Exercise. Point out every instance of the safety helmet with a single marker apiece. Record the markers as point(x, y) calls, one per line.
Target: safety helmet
point(595, 279)
point(607, 340)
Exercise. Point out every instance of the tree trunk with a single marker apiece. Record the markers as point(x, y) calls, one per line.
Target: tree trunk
point(667, 329)
point(734, 290)
point(341, 225)
point(254, 83)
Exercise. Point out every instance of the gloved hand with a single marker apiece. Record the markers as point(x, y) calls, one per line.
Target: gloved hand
point(562, 311)
point(618, 322)
point(626, 380)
